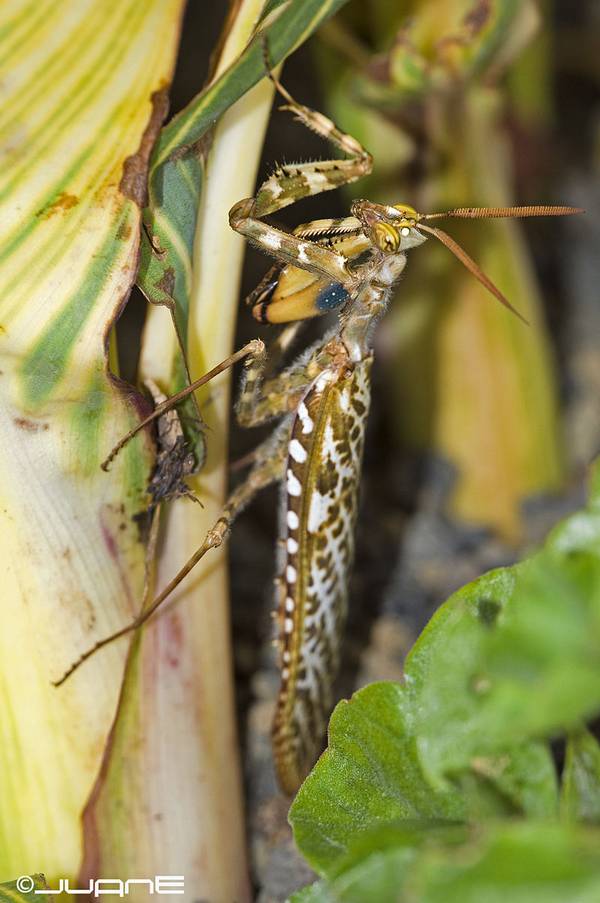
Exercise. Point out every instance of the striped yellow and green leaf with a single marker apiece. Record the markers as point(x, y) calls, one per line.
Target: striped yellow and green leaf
point(176, 171)
point(26, 889)
point(82, 87)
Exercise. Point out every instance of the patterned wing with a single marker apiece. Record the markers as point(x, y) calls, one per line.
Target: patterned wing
point(297, 294)
point(321, 487)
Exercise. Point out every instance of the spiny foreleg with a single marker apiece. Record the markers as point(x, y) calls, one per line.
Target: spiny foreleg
point(290, 183)
point(288, 248)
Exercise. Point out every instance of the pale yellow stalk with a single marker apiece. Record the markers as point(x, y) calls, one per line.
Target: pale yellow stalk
point(187, 661)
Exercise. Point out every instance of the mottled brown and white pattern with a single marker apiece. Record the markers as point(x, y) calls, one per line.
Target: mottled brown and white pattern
point(320, 487)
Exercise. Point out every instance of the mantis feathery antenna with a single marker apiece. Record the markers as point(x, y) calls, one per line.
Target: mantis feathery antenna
point(487, 213)
point(502, 212)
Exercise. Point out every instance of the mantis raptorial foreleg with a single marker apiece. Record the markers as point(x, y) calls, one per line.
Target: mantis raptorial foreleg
point(289, 184)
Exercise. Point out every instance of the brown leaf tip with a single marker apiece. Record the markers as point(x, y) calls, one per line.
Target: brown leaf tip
point(134, 181)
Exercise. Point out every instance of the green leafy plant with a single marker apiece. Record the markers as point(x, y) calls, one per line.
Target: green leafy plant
point(444, 786)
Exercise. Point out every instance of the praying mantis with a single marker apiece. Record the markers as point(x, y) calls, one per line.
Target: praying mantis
point(347, 267)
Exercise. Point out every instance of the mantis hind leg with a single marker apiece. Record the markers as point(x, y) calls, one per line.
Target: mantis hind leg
point(268, 467)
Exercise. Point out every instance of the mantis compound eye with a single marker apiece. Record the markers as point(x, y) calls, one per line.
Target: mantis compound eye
point(386, 237)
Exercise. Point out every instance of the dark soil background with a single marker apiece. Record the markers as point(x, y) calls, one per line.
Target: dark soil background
point(410, 556)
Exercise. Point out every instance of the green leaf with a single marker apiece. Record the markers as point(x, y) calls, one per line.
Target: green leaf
point(376, 878)
point(26, 887)
point(580, 797)
point(520, 863)
point(370, 779)
point(369, 776)
point(515, 654)
point(176, 171)
point(508, 662)
point(522, 779)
